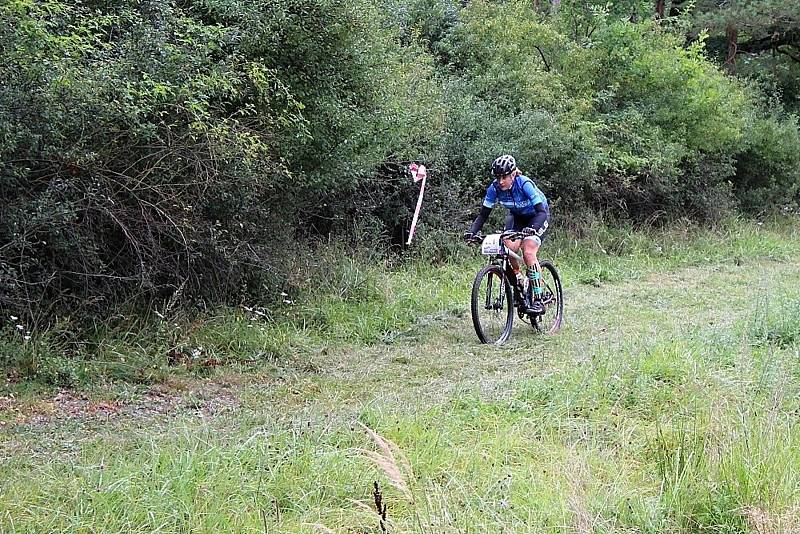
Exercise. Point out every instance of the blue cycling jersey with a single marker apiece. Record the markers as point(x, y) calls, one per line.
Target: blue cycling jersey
point(521, 199)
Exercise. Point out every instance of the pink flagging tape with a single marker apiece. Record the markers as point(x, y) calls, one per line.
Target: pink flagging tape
point(419, 173)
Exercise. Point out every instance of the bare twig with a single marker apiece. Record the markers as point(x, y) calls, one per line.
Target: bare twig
point(546, 64)
point(380, 506)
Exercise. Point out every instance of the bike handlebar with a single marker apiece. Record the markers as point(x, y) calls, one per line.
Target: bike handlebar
point(512, 235)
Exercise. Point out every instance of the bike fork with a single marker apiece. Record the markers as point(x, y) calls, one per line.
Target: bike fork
point(490, 303)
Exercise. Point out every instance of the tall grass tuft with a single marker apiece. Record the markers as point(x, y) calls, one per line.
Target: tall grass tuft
point(726, 474)
point(777, 325)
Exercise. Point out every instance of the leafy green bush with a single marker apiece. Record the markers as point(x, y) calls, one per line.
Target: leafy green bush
point(156, 151)
point(160, 153)
point(620, 118)
point(768, 169)
point(677, 88)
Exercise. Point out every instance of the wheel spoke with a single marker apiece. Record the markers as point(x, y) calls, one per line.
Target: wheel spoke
point(491, 306)
point(552, 299)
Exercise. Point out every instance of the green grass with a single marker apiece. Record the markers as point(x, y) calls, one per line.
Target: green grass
point(668, 403)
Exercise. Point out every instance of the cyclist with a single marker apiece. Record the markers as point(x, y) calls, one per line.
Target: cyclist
point(528, 213)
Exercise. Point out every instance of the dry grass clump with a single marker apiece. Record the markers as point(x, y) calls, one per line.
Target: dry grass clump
point(764, 522)
point(391, 461)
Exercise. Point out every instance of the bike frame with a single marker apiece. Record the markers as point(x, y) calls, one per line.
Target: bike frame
point(502, 260)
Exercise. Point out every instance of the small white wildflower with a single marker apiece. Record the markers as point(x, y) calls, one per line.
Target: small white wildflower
point(14, 318)
point(20, 327)
point(283, 294)
point(26, 338)
point(287, 301)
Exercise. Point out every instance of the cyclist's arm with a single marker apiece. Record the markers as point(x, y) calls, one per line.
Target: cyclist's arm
point(488, 203)
point(482, 216)
point(540, 209)
point(541, 214)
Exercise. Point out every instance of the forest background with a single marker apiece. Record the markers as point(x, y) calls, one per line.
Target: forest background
point(159, 157)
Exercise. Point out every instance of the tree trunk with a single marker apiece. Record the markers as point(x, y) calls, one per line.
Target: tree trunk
point(660, 5)
point(732, 33)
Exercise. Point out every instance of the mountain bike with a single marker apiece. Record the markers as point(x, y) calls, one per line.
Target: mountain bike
point(496, 295)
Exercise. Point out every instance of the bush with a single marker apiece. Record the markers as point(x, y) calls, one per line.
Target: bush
point(768, 169)
point(157, 151)
point(621, 119)
point(172, 152)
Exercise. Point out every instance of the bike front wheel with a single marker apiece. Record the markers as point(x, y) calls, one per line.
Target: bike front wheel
point(552, 299)
point(492, 310)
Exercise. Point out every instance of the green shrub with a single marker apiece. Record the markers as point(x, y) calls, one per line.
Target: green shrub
point(623, 118)
point(155, 153)
point(768, 169)
point(170, 150)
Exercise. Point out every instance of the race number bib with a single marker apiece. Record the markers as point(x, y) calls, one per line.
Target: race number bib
point(491, 245)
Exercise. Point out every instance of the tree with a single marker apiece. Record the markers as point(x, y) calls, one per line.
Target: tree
point(753, 27)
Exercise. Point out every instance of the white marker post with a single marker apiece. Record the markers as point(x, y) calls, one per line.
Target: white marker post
point(419, 173)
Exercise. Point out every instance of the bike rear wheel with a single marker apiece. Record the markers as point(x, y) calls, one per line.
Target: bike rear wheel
point(492, 311)
point(553, 299)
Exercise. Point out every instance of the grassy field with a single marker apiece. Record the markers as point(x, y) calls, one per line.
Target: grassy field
point(669, 402)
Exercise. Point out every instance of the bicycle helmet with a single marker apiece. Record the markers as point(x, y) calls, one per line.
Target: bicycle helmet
point(503, 165)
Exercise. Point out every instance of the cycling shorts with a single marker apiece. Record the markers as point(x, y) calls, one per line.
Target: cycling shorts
point(518, 222)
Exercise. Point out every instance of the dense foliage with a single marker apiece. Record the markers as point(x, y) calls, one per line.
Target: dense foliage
point(160, 150)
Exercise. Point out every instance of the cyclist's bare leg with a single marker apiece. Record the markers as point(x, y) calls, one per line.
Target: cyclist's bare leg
point(530, 249)
point(514, 245)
